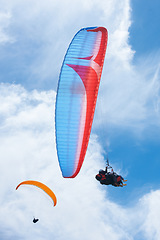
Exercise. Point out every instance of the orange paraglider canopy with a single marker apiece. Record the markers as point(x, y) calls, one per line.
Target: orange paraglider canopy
point(41, 186)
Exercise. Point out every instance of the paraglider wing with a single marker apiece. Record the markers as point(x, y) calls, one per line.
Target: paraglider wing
point(76, 97)
point(42, 186)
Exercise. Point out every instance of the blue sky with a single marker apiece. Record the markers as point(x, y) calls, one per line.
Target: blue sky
point(34, 36)
point(144, 32)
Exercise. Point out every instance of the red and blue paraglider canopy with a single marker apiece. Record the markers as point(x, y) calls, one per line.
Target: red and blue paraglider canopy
point(76, 97)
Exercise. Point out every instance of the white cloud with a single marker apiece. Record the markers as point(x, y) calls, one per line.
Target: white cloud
point(83, 211)
point(5, 18)
point(152, 220)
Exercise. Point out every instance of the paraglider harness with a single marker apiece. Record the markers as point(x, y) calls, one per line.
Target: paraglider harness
point(110, 178)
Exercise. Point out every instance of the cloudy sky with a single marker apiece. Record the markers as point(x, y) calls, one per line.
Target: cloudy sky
point(34, 36)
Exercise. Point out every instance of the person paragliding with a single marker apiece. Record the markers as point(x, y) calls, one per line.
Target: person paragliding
point(43, 187)
point(35, 220)
point(109, 177)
